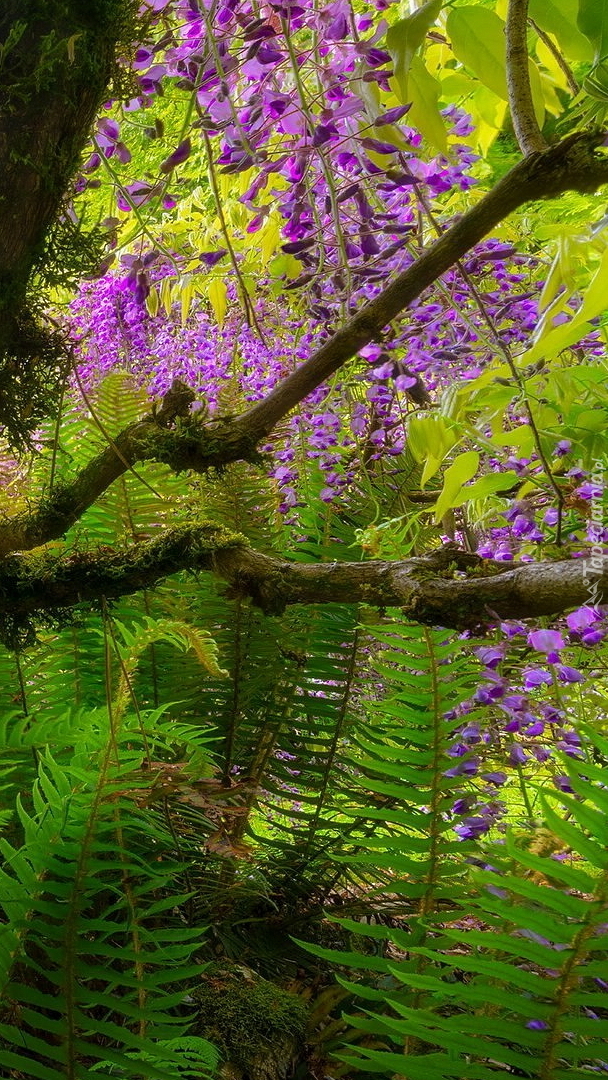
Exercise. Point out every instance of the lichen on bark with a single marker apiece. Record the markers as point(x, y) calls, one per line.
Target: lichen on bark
point(59, 58)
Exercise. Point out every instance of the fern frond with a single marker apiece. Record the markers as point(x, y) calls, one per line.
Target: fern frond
point(88, 969)
point(523, 989)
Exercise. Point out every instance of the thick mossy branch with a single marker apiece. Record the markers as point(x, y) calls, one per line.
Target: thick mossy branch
point(448, 587)
point(31, 585)
point(169, 435)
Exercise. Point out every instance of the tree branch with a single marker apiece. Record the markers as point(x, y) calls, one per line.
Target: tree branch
point(430, 589)
point(527, 131)
point(189, 447)
point(571, 164)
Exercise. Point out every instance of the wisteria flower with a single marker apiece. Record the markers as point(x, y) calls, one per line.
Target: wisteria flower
point(546, 641)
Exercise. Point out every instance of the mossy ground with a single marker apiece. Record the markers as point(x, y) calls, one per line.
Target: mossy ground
point(256, 1025)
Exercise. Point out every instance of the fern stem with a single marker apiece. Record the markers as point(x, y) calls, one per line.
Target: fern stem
point(569, 981)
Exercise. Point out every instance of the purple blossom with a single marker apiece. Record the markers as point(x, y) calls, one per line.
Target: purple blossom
point(546, 641)
point(536, 677)
point(497, 778)
point(517, 755)
point(583, 617)
point(562, 783)
point(490, 655)
point(468, 767)
point(568, 674)
point(473, 827)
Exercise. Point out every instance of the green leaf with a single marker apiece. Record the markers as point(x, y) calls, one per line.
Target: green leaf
point(492, 484)
point(424, 91)
point(405, 37)
point(478, 39)
point(556, 338)
point(593, 23)
point(463, 468)
point(559, 17)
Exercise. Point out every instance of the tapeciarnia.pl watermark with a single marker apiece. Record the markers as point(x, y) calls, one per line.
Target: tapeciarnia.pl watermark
point(595, 561)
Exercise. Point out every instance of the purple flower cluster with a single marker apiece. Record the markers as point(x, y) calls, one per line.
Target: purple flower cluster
point(521, 712)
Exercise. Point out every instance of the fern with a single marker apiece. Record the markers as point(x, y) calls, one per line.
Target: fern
point(522, 989)
point(399, 754)
point(92, 964)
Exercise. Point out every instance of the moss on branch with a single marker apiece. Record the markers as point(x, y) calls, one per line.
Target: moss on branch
point(444, 588)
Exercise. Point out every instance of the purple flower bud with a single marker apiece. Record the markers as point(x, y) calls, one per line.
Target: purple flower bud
point(210, 258)
point(471, 733)
point(464, 768)
point(391, 116)
point(537, 1025)
point(562, 783)
point(497, 778)
point(589, 491)
point(583, 617)
point(490, 655)
point(472, 827)
point(177, 157)
point(268, 54)
point(368, 244)
point(517, 755)
point(593, 637)
point(458, 750)
point(323, 133)
point(337, 29)
point(569, 674)
point(537, 728)
point(462, 806)
point(378, 147)
point(536, 677)
point(374, 57)
point(123, 153)
point(93, 162)
point(405, 382)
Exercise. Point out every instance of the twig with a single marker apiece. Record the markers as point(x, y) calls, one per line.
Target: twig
point(557, 56)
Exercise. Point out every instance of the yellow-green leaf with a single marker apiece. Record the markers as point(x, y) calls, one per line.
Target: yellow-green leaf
point(186, 294)
point(478, 39)
point(152, 301)
point(559, 17)
point(429, 437)
point(593, 23)
point(595, 301)
point(166, 298)
point(492, 484)
point(462, 469)
point(218, 298)
point(424, 92)
point(405, 37)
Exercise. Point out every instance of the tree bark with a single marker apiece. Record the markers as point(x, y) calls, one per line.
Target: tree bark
point(433, 589)
point(57, 63)
point(525, 124)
